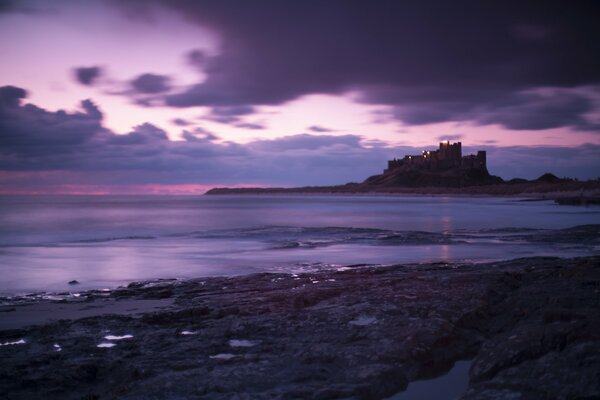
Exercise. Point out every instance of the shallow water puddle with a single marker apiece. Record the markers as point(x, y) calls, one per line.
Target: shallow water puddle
point(106, 345)
point(446, 387)
point(20, 341)
point(222, 356)
point(243, 343)
point(113, 337)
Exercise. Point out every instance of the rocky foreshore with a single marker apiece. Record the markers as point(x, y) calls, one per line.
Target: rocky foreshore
point(531, 327)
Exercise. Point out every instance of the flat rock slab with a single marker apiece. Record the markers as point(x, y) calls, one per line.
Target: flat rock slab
point(40, 313)
point(530, 326)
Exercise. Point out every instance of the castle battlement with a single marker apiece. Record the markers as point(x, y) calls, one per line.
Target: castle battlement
point(448, 156)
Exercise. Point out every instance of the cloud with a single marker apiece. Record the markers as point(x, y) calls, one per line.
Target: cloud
point(151, 84)
point(7, 5)
point(199, 135)
point(197, 58)
point(529, 110)
point(87, 75)
point(231, 115)
point(530, 162)
point(250, 125)
point(27, 128)
point(305, 141)
point(76, 147)
point(434, 61)
point(449, 137)
point(535, 112)
point(48, 150)
point(142, 134)
point(530, 32)
point(232, 111)
point(320, 129)
point(181, 122)
point(15, 6)
point(10, 96)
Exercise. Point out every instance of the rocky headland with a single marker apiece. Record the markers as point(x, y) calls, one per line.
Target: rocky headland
point(531, 327)
point(446, 171)
point(583, 192)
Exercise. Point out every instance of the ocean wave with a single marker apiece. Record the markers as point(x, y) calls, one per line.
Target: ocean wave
point(112, 239)
point(581, 234)
point(294, 237)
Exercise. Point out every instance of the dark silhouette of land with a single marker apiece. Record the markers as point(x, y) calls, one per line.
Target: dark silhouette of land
point(446, 171)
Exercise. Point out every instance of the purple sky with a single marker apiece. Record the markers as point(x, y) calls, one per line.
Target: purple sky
point(179, 96)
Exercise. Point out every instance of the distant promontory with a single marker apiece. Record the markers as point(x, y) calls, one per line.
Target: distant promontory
point(441, 171)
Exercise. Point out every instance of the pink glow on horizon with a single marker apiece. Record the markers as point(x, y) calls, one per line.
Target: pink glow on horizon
point(48, 183)
point(133, 189)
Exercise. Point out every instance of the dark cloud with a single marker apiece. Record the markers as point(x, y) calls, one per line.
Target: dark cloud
point(7, 5)
point(87, 75)
point(530, 162)
point(10, 96)
point(449, 137)
point(534, 112)
point(197, 58)
point(307, 142)
point(17, 6)
point(320, 129)
point(26, 128)
point(230, 115)
point(91, 109)
point(36, 141)
point(151, 84)
point(47, 148)
point(530, 32)
point(141, 134)
point(519, 111)
point(250, 125)
point(232, 111)
point(437, 61)
point(181, 122)
point(199, 134)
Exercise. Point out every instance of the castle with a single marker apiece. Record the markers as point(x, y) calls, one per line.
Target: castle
point(447, 157)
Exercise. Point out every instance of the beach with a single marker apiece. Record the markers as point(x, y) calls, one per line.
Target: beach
point(529, 326)
point(307, 297)
point(109, 241)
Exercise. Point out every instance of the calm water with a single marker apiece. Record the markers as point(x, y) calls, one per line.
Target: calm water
point(448, 386)
point(105, 241)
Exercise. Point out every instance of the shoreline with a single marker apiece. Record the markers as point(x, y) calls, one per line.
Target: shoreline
point(550, 191)
point(530, 325)
point(526, 196)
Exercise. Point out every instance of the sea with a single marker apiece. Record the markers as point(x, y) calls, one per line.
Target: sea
point(107, 241)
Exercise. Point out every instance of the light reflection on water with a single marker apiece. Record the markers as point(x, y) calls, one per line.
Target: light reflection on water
point(41, 248)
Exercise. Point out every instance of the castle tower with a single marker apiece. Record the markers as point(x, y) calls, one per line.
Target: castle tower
point(444, 150)
point(482, 159)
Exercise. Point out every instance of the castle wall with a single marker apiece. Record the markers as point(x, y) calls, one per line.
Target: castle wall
point(448, 156)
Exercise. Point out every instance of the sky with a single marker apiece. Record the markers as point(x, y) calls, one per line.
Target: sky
point(178, 96)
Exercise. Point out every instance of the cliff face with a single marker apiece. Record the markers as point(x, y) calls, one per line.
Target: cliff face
point(456, 177)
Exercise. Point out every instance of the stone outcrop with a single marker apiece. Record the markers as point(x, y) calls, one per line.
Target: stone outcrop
point(531, 327)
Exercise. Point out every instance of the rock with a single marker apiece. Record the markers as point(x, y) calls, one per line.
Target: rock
point(531, 326)
point(74, 282)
